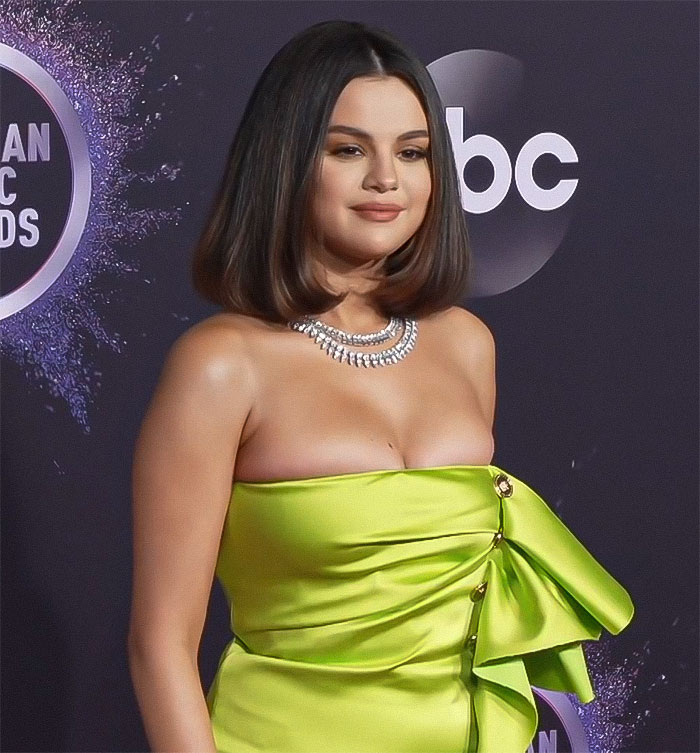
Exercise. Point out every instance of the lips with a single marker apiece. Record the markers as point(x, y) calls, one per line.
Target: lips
point(378, 211)
point(376, 207)
point(375, 215)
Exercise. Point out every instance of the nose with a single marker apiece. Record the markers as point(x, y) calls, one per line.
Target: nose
point(382, 175)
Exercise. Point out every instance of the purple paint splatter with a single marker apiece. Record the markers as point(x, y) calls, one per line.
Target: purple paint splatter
point(611, 720)
point(48, 339)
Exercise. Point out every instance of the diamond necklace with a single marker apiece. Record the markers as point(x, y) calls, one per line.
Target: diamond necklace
point(333, 341)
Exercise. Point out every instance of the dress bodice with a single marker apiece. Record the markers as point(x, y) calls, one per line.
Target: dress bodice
point(405, 582)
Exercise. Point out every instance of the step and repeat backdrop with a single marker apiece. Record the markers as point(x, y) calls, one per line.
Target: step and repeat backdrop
point(575, 130)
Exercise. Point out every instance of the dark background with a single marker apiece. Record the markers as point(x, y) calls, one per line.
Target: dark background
point(597, 352)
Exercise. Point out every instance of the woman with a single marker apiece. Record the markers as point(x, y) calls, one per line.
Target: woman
point(391, 589)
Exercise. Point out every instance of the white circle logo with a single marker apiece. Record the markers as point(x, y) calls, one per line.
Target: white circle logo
point(516, 185)
point(45, 180)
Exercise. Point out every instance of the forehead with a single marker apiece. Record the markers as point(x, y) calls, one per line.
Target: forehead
point(379, 105)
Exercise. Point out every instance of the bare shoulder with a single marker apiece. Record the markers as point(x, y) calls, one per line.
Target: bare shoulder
point(473, 343)
point(466, 331)
point(221, 325)
point(218, 336)
point(213, 353)
point(201, 403)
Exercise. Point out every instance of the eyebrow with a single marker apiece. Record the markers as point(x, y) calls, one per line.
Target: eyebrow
point(351, 131)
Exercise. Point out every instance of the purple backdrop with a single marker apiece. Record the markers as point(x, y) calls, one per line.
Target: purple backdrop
point(592, 301)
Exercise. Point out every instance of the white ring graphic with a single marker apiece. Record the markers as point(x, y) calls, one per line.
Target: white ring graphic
point(81, 189)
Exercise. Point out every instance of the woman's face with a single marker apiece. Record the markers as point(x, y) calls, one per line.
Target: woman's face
point(376, 151)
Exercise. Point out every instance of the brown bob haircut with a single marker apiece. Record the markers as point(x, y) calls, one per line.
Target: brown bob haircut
point(251, 257)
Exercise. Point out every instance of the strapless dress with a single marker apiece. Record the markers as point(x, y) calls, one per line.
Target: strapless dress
point(401, 611)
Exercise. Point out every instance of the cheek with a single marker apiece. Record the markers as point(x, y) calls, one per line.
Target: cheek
point(420, 191)
point(335, 183)
point(329, 200)
point(418, 184)
point(423, 185)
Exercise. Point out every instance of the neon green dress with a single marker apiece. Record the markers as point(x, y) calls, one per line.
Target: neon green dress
point(401, 611)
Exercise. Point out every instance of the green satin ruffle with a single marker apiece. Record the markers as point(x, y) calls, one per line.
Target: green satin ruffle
point(354, 598)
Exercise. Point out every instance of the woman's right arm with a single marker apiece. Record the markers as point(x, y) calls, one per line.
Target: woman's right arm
point(183, 466)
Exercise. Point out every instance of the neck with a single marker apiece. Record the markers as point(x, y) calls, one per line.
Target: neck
point(357, 312)
point(354, 316)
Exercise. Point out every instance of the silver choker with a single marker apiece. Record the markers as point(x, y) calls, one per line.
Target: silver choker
point(334, 341)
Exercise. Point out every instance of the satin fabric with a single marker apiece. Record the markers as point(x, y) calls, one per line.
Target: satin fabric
point(354, 597)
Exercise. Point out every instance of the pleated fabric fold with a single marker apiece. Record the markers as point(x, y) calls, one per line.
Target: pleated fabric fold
point(546, 594)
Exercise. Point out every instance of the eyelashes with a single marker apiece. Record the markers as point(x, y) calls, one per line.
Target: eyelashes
point(419, 153)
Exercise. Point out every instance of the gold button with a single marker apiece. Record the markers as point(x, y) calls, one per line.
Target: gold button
point(497, 538)
point(503, 485)
point(472, 638)
point(479, 591)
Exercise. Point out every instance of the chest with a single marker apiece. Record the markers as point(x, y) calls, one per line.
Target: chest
point(314, 416)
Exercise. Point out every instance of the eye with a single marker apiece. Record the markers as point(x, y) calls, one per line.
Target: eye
point(417, 154)
point(344, 150)
point(420, 154)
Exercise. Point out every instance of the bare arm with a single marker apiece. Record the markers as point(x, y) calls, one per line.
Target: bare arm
point(183, 466)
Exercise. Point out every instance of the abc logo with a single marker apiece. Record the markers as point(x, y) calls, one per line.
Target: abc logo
point(515, 188)
point(544, 199)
